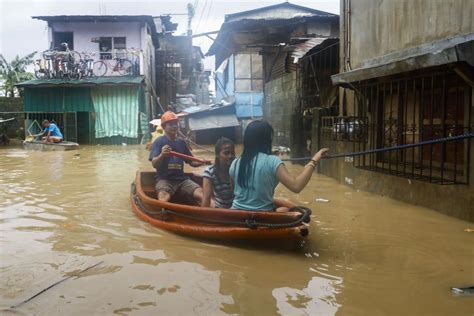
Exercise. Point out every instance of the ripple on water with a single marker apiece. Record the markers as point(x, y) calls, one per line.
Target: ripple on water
point(381, 255)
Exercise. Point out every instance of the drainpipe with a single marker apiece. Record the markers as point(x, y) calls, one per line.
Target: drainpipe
point(342, 26)
point(348, 35)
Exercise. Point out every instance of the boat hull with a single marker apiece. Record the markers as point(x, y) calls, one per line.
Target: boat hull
point(212, 223)
point(38, 145)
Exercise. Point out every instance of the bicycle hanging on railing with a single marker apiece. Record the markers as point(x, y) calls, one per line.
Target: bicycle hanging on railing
point(69, 64)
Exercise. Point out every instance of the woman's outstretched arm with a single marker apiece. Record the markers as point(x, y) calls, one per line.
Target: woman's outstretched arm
point(297, 184)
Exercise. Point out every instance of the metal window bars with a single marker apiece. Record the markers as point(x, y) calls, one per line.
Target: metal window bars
point(410, 110)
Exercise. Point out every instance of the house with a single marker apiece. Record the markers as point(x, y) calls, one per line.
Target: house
point(262, 60)
point(110, 107)
point(407, 73)
point(180, 69)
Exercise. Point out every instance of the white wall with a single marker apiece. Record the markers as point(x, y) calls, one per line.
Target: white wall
point(84, 31)
point(136, 34)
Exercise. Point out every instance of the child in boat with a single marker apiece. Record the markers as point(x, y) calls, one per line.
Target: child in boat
point(216, 179)
point(256, 174)
point(170, 178)
point(51, 132)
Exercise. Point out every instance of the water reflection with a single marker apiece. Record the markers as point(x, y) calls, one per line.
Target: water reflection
point(319, 297)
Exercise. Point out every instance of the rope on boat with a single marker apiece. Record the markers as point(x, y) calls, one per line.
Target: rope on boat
point(194, 143)
point(249, 222)
point(379, 150)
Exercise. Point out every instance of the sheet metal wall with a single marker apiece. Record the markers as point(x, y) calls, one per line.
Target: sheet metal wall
point(60, 99)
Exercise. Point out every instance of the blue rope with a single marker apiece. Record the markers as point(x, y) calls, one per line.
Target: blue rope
point(361, 153)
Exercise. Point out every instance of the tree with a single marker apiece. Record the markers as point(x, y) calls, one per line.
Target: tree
point(15, 72)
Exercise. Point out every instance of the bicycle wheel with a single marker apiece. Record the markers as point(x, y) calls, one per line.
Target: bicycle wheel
point(49, 54)
point(99, 68)
point(74, 56)
point(125, 67)
point(39, 74)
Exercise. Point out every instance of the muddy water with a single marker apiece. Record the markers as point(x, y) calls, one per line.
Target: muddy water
point(62, 212)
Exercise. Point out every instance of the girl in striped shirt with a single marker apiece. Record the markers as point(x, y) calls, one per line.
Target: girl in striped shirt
point(216, 179)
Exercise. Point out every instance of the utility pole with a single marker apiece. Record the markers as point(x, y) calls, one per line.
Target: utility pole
point(190, 18)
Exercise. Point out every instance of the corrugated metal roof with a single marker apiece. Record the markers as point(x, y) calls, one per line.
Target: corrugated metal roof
point(125, 80)
point(259, 27)
point(212, 121)
point(58, 99)
point(278, 8)
point(302, 48)
point(447, 51)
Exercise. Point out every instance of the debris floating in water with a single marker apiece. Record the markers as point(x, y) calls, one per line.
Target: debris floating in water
point(469, 230)
point(349, 181)
point(463, 290)
point(322, 200)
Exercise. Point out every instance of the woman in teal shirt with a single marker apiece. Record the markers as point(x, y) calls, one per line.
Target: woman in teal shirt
point(256, 174)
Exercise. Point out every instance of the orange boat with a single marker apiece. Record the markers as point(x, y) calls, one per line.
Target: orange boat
point(215, 223)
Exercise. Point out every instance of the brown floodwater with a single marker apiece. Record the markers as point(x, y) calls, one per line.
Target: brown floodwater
point(62, 212)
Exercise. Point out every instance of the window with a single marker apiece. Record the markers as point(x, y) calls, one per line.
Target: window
point(63, 37)
point(409, 110)
point(248, 72)
point(109, 44)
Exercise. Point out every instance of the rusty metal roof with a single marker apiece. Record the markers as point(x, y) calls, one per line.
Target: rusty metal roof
point(303, 48)
point(259, 28)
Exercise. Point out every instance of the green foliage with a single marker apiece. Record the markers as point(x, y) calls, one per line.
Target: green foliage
point(15, 72)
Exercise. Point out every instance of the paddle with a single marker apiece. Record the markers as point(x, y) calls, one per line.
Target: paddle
point(186, 157)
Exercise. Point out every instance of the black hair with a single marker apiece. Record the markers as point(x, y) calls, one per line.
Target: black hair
point(258, 138)
point(221, 142)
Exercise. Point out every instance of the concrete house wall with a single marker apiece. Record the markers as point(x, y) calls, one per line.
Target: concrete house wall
point(372, 30)
point(379, 27)
point(137, 36)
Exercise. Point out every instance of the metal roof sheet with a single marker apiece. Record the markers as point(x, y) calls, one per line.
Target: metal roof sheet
point(119, 80)
point(277, 8)
point(302, 48)
point(259, 27)
point(432, 54)
point(199, 123)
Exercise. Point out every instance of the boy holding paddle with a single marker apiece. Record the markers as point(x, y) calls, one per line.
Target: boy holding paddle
point(170, 178)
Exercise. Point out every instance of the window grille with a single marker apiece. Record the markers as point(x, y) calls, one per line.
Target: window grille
point(410, 110)
point(344, 128)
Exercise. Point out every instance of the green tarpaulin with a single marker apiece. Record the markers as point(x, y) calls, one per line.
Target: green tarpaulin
point(117, 111)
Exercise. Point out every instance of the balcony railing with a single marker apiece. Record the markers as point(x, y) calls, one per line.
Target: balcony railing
point(72, 65)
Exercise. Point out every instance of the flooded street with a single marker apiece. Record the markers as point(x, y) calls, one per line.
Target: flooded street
point(62, 212)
